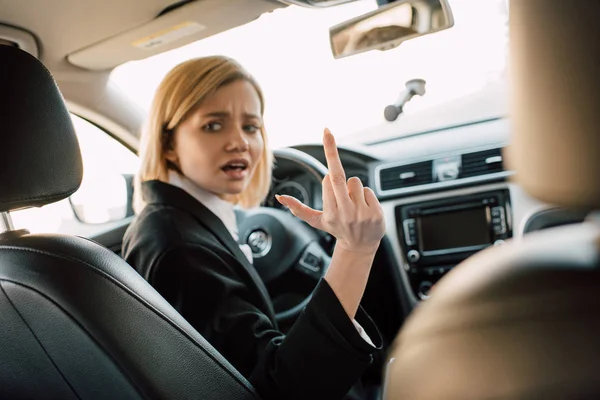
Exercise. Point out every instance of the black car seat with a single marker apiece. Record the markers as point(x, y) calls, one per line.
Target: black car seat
point(76, 321)
point(522, 321)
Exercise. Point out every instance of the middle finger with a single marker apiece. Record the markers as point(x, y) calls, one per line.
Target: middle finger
point(336, 170)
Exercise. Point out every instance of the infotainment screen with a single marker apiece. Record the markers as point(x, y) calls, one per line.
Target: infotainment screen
point(454, 229)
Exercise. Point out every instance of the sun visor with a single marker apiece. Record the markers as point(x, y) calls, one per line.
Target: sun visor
point(184, 25)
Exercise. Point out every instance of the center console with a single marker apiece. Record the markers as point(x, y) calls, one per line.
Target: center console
point(437, 235)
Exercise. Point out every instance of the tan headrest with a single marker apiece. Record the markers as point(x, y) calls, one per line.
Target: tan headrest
point(555, 73)
point(513, 322)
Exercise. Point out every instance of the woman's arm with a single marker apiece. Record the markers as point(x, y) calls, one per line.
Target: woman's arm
point(353, 215)
point(322, 355)
point(347, 275)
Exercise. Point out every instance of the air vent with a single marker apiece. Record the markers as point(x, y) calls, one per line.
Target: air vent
point(406, 175)
point(482, 163)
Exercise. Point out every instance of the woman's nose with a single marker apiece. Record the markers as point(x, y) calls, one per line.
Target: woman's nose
point(237, 141)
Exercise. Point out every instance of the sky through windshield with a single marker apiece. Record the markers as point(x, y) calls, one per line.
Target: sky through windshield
point(306, 89)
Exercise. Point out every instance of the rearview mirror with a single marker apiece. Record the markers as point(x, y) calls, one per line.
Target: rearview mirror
point(389, 26)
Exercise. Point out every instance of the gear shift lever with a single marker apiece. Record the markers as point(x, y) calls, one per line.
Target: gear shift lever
point(413, 87)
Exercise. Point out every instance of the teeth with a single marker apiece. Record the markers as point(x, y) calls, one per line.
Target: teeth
point(235, 166)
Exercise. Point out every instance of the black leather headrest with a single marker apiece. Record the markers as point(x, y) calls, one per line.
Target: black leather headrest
point(40, 161)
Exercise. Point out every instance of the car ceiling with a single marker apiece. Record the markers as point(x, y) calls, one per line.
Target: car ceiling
point(96, 35)
point(65, 26)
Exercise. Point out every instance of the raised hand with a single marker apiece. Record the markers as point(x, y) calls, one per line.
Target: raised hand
point(351, 212)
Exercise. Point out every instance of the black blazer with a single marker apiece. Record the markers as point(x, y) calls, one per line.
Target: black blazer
point(189, 256)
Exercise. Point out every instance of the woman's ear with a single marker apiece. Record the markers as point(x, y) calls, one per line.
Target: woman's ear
point(172, 160)
point(171, 156)
point(169, 148)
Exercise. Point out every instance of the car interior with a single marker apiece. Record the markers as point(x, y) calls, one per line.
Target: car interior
point(484, 285)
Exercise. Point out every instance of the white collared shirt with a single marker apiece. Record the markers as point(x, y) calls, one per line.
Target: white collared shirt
point(225, 211)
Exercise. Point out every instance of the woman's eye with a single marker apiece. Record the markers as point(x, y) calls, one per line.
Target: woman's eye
point(212, 127)
point(251, 128)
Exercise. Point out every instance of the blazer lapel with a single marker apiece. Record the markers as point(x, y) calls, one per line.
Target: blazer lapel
point(217, 228)
point(160, 192)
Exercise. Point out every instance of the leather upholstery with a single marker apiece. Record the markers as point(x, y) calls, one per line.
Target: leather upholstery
point(40, 162)
point(77, 321)
point(555, 98)
point(519, 321)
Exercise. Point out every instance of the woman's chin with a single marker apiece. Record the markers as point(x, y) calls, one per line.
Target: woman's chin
point(236, 188)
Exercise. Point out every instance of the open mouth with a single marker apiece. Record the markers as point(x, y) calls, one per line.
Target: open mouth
point(235, 165)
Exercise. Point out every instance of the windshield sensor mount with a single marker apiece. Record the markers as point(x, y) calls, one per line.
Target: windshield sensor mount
point(413, 87)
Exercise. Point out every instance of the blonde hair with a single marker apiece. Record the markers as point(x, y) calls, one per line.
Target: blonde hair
point(180, 93)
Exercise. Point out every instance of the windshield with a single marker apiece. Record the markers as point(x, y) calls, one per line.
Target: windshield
point(306, 89)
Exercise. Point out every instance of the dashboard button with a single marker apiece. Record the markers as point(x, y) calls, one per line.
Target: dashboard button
point(410, 233)
point(311, 263)
point(424, 289)
point(498, 219)
point(500, 228)
point(413, 256)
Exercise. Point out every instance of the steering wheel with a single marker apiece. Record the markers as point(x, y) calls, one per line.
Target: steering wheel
point(285, 249)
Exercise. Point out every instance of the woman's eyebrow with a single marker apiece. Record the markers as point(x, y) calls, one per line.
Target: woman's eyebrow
point(217, 114)
point(225, 114)
point(250, 115)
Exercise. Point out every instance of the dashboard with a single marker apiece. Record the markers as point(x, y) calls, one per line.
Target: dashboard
point(446, 195)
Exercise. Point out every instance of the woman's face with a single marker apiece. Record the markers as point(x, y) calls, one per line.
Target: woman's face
point(219, 145)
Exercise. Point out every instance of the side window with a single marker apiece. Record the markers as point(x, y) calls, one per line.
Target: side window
point(102, 157)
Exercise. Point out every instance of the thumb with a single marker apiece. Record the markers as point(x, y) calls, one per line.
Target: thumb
point(301, 210)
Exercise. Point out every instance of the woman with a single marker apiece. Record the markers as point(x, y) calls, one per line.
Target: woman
point(203, 151)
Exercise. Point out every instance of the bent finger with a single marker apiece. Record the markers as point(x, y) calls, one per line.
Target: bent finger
point(370, 197)
point(356, 190)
